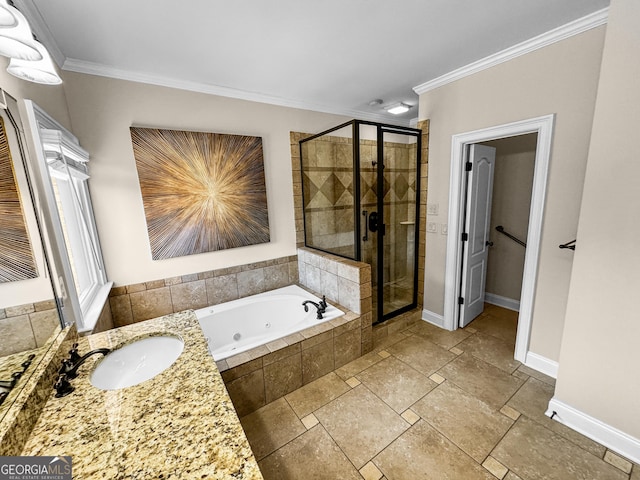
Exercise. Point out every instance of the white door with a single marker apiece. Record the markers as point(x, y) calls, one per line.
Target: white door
point(477, 221)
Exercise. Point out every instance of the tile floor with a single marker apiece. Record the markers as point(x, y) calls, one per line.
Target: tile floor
point(429, 404)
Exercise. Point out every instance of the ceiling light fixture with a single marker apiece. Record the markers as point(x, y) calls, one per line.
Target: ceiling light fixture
point(16, 41)
point(38, 71)
point(398, 108)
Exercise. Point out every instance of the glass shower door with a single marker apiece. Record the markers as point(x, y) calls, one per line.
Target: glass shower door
point(328, 191)
point(399, 191)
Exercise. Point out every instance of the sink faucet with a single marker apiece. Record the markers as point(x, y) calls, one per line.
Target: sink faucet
point(70, 366)
point(321, 306)
point(69, 369)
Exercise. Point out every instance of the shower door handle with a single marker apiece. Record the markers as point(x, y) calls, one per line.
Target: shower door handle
point(373, 221)
point(366, 223)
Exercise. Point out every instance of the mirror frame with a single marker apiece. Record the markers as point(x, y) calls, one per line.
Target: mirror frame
point(13, 113)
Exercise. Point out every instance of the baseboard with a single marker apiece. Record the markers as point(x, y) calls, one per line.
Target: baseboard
point(433, 318)
point(610, 437)
point(501, 301)
point(542, 364)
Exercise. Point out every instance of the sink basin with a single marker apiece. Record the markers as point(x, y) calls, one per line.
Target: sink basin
point(136, 362)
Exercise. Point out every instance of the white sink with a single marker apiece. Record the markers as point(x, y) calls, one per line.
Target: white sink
point(136, 362)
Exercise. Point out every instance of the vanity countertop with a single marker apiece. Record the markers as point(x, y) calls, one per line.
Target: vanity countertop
point(180, 424)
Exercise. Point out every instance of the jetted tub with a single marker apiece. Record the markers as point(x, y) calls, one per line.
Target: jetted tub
point(240, 325)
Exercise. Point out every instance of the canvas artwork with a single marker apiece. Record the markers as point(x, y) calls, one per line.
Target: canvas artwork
point(201, 192)
point(16, 256)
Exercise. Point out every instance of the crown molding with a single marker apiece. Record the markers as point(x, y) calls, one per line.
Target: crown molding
point(40, 28)
point(570, 29)
point(91, 68)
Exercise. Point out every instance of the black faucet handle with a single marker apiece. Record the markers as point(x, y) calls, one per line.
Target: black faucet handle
point(74, 356)
point(67, 365)
point(323, 303)
point(63, 386)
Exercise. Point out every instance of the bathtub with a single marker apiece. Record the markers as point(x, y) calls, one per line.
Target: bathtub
point(240, 325)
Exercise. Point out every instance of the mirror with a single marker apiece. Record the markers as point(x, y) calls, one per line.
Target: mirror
point(30, 318)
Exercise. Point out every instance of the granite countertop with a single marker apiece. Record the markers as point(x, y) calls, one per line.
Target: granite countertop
point(180, 424)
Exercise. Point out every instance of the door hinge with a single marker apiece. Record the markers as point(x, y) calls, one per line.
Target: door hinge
point(465, 237)
point(460, 301)
point(467, 167)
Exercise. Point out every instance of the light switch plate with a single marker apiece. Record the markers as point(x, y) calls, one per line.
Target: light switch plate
point(432, 227)
point(432, 209)
point(444, 229)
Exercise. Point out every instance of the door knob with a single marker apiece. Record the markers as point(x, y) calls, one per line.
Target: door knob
point(488, 244)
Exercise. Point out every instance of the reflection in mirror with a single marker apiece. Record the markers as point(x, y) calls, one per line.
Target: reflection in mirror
point(29, 315)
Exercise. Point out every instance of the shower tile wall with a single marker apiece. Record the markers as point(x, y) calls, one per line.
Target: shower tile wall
point(368, 154)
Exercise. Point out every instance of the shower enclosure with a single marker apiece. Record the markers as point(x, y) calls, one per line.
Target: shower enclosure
point(360, 187)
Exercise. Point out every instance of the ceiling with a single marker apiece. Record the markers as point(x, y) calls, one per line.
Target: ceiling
point(332, 55)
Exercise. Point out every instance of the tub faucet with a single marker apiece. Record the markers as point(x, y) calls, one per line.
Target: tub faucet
point(321, 306)
point(70, 366)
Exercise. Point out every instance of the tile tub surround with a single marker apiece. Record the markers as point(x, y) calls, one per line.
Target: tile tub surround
point(22, 413)
point(266, 373)
point(180, 424)
point(343, 281)
point(27, 326)
point(142, 301)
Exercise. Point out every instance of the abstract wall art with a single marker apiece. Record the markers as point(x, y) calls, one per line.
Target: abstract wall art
point(16, 255)
point(201, 192)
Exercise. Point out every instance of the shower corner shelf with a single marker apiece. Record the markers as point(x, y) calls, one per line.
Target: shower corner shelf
point(408, 222)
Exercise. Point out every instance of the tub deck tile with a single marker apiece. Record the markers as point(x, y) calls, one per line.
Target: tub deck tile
point(293, 338)
point(236, 372)
point(316, 330)
point(238, 359)
point(258, 352)
point(277, 345)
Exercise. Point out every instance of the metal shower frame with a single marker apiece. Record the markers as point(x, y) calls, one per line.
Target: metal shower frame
point(381, 129)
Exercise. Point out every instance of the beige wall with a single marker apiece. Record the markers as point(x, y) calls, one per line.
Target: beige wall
point(512, 185)
point(599, 356)
point(561, 78)
point(102, 110)
point(52, 98)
